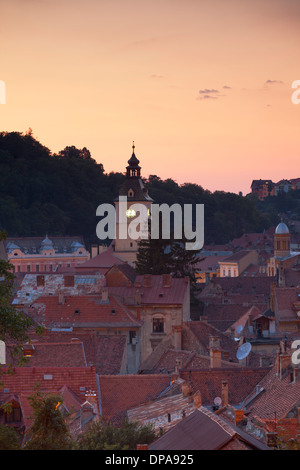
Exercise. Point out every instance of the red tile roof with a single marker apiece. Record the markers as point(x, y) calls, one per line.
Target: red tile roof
point(276, 396)
point(107, 259)
point(157, 293)
point(81, 311)
point(204, 430)
point(77, 349)
point(53, 354)
point(241, 381)
point(202, 330)
point(23, 381)
point(119, 393)
point(222, 317)
point(285, 300)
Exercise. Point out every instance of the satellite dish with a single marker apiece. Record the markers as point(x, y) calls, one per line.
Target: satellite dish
point(2, 353)
point(218, 401)
point(243, 351)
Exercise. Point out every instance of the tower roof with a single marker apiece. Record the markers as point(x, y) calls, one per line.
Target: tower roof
point(133, 187)
point(133, 161)
point(282, 228)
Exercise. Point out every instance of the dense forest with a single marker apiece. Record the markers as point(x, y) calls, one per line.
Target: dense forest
point(42, 192)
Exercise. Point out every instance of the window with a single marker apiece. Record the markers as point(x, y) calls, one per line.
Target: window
point(37, 268)
point(28, 268)
point(158, 325)
point(14, 416)
point(132, 337)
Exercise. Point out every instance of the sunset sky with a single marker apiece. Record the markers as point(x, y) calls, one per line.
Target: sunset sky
point(203, 87)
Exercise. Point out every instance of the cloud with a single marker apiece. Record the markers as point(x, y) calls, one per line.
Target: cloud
point(211, 93)
point(153, 75)
point(227, 87)
point(273, 82)
point(207, 97)
point(207, 90)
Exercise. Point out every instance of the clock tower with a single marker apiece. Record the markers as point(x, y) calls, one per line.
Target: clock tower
point(131, 192)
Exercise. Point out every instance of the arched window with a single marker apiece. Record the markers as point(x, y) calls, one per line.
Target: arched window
point(158, 325)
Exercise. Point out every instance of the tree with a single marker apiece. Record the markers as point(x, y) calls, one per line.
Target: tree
point(14, 325)
point(102, 435)
point(153, 255)
point(49, 430)
point(9, 439)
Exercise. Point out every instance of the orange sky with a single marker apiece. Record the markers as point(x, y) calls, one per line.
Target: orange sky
point(202, 87)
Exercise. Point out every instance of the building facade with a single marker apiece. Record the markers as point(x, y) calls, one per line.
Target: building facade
point(44, 255)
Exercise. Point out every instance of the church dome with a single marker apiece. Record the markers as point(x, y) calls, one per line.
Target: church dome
point(282, 228)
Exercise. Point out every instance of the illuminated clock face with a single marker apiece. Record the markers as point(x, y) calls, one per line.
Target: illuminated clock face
point(130, 213)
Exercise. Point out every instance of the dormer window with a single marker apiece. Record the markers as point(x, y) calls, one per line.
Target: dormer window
point(130, 193)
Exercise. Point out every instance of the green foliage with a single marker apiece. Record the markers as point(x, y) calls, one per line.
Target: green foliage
point(9, 439)
point(102, 435)
point(13, 324)
point(42, 192)
point(49, 430)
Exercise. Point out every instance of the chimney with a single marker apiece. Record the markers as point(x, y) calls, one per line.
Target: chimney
point(142, 447)
point(178, 365)
point(239, 416)
point(215, 352)
point(104, 295)
point(147, 280)
point(224, 393)
point(197, 400)
point(186, 389)
point(283, 360)
point(166, 280)
point(138, 298)
point(177, 336)
point(94, 251)
point(61, 298)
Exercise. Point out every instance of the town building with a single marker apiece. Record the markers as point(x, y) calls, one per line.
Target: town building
point(262, 188)
point(44, 254)
point(236, 264)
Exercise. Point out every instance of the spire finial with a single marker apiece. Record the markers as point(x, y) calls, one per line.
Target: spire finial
point(133, 146)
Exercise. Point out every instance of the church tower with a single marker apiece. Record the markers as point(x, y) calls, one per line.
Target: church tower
point(135, 193)
point(282, 239)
